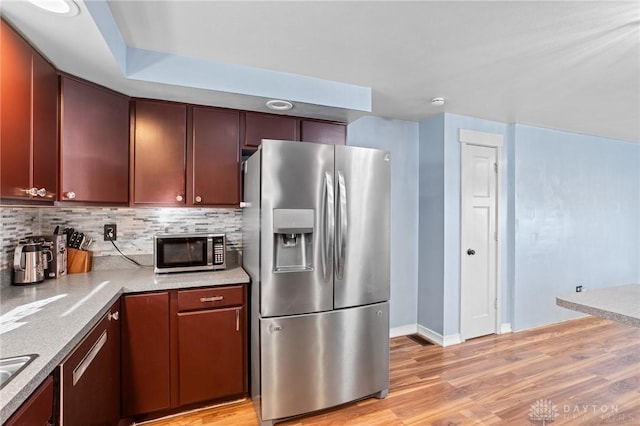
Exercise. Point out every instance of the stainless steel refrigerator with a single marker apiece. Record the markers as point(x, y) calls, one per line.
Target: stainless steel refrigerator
point(316, 245)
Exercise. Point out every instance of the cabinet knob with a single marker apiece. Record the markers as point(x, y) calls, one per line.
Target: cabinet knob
point(114, 316)
point(70, 195)
point(198, 199)
point(179, 198)
point(31, 191)
point(42, 192)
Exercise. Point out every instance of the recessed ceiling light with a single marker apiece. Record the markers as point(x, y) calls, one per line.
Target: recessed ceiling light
point(59, 7)
point(437, 101)
point(279, 105)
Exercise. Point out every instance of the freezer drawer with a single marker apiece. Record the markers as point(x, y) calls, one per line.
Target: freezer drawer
point(314, 361)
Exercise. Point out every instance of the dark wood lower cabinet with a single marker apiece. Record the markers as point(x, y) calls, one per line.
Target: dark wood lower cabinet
point(37, 410)
point(181, 348)
point(145, 353)
point(90, 376)
point(211, 354)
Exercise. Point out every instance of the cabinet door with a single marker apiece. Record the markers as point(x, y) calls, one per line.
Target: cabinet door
point(323, 132)
point(212, 358)
point(160, 153)
point(215, 157)
point(94, 144)
point(45, 126)
point(145, 353)
point(37, 409)
point(268, 126)
point(90, 376)
point(15, 102)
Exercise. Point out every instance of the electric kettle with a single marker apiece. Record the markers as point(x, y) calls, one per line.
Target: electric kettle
point(29, 261)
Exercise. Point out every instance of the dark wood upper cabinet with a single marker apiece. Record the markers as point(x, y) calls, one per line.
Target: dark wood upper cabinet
point(145, 353)
point(94, 144)
point(214, 157)
point(28, 131)
point(45, 126)
point(159, 153)
point(260, 126)
point(16, 113)
point(323, 132)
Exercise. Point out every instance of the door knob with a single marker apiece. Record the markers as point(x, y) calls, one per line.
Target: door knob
point(471, 252)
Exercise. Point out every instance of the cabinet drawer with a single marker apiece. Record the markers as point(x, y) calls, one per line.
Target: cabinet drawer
point(207, 298)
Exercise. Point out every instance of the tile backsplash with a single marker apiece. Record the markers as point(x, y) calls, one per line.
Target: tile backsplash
point(135, 227)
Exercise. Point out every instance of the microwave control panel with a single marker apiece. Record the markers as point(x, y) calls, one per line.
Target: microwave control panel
point(218, 251)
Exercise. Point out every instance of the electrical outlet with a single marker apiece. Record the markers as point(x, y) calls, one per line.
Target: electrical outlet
point(578, 288)
point(110, 232)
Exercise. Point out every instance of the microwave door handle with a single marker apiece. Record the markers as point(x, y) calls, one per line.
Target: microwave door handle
point(342, 226)
point(328, 224)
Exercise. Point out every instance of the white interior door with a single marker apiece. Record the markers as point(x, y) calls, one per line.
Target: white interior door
point(478, 256)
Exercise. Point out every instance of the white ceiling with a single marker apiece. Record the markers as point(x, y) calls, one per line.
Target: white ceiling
point(567, 65)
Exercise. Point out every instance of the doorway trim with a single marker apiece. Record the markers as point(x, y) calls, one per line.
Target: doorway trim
point(493, 140)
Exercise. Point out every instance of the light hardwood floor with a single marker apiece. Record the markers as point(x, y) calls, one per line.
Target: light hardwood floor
point(581, 372)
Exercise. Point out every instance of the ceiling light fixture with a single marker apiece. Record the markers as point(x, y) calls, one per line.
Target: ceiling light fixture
point(437, 101)
point(59, 7)
point(279, 105)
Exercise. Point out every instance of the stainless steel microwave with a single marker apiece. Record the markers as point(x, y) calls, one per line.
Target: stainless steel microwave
point(188, 252)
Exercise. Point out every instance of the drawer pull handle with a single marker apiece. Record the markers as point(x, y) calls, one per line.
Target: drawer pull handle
point(237, 319)
point(88, 358)
point(211, 299)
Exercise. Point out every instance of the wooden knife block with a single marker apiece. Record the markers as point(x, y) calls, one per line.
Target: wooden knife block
point(78, 261)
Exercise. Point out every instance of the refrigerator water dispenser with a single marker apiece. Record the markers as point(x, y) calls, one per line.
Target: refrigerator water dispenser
point(292, 240)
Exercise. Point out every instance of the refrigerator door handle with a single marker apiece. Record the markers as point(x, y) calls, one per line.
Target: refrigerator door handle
point(341, 225)
point(328, 224)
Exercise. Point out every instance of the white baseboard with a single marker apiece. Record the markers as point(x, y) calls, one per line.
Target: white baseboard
point(404, 330)
point(439, 339)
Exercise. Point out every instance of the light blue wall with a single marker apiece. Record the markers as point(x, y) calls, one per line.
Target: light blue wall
point(401, 139)
point(576, 218)
point(431, 225)
point(570, 208)
point(439, 246)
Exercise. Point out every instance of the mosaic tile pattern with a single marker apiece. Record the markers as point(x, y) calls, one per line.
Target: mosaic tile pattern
point(135, 227)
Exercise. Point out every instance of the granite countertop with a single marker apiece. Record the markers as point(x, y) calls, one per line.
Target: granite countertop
point(621, 303)
point(51, 318)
